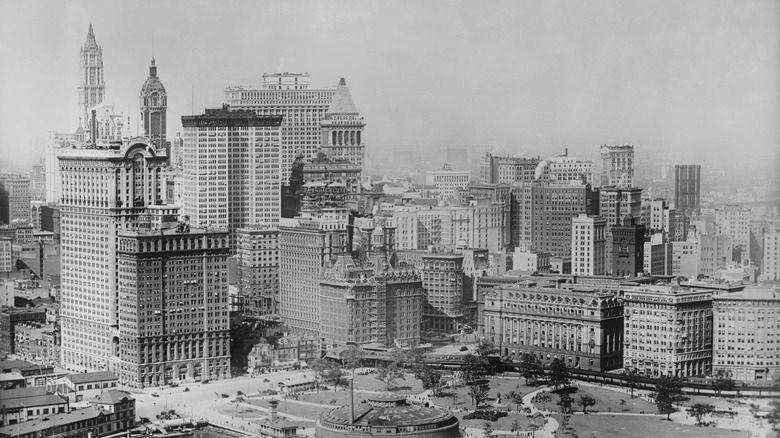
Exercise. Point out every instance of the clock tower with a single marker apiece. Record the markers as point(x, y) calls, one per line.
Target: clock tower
point(153, 104)
point(628, 250)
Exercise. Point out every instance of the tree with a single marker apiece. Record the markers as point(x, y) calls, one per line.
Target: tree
point(487, 430)
point(699, 410)
point(774, 414)
point(632, 377)
point(479, 393)
point(559, 374)
point(542, 398)
point(320, 367)
point(722, 381)
point(565, 401)
point(389, 373)
point(412, 357)
point(530, 367)
point(350, 358)
point(515, 425)
point(754, 408)
point(668, 390)
point(533, 428)
point(515, 397)
point(585, 401)
point(430, 378)
point(622, 405)
point(474, 368)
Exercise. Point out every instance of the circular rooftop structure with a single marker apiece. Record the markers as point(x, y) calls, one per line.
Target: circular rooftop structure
point(387, 414)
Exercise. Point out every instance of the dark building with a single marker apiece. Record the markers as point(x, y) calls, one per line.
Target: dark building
point(291, 192)
point(628, 251)
point(553, 207)
point(50, 218)
point(687, 189)
point(154, 104)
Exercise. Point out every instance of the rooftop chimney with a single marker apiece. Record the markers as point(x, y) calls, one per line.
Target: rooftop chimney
point(94, 128)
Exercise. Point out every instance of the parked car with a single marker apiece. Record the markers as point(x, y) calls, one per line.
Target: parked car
point(225, 396)
point(266, 380)
point(154, 394)
point(186, 389)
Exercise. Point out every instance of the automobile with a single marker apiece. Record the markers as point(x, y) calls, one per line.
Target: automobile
point(186, 389)
point(464, 348)
point(145, 420)
point(173, 385)
point(204, 381)
point(154, 394)
point(266, 380)
point(225, 396)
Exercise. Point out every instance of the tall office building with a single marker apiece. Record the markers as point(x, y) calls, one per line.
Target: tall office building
point(174, 322)
point(230, 169)
point(628, 248)
point(565, 168)
point(588, 245)
point(307, 244)
point(258, 270)
point(14, 199)
point(92, 89)
point(38, 181)
point(687, 189)
point(734, 221)
point(442, 276)
point(616, 203)
point(104, 191)
point(771, 266)
point(617, 166)
point(154, 104)
point(342, 129)
point(715, 252)
point(508, 170)
point(302, 109)
point(553, 207)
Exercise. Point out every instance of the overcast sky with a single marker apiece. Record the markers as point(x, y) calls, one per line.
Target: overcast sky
point(690, 76)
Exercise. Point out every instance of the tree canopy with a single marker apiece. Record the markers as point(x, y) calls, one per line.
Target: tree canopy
point(668, 391)
point(559, 374)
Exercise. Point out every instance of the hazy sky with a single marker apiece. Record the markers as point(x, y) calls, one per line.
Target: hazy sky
point(687, 76)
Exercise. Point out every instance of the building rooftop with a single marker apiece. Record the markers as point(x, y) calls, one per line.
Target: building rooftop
point(111, 397)
point(752, 293)
point(97, 376)
point(342, 102)
point(51, 421)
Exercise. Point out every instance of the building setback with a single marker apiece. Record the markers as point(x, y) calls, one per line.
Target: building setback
point(173, 298)
point(581, 326)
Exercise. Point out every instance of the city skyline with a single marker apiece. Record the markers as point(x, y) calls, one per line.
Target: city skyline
point(697, 77)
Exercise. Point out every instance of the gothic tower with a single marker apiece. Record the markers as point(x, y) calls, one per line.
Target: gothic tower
point(91, 88)
point(154, 103)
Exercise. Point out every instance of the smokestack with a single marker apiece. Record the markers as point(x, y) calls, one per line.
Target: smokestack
point(94, 128)
point(567, 152)
point(272, 409)
point(351, 403)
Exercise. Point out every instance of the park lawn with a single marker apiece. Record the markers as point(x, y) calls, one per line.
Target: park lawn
point(333, 398)
point(503, 423)
point(284, 407)
point(606, 401)
point(718, 402)
point(498, 385)
point(627, 426)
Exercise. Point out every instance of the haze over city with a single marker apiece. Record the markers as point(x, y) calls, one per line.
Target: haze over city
point(696, 78)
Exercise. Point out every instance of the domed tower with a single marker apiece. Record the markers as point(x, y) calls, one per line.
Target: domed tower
point(91, 88)
point(154, 104)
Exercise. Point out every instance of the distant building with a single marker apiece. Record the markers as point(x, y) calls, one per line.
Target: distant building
point(10, 318)
point(615, 204)
point(771, 266)
point(668, 330)
point(715, 252)
point(627, 246)
point(26, 404)
point(448, 180)
point(565, 168)
point(581, 326)
point(154, 104)
point(685, 258)
point(14, 199)
point(734, 221)
point(530, 262)
point(342, 132)
point(508, 170)
point(745, 327)
point(617, 166)
point(687, 189)
point(442, 276)
point(290, 351)
point(588, 245)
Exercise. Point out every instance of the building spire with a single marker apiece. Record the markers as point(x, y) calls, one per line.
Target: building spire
point(342, 102)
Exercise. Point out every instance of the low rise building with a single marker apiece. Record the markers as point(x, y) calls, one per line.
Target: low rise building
point(24, 404)
point(583, 326)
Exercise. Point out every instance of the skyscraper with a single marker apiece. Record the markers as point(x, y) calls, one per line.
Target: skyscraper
point(588, 245)
point(342, 130)
point(14, 199)
point(174, 322)
point(627, 247)
point(92, 89)
point(687, 189)
point(733, 220)
point(153, 104)
point(617, 166)
point(616, 203)
point(104, 191)
point(553, 207)
point(258, 270)
point(230, 169)
point(302, 109)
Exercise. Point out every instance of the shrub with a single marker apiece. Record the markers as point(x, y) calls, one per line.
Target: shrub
point(485, 415)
